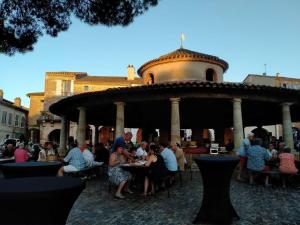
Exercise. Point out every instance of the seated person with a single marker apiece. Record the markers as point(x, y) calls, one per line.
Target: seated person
point(141, 151)
point(117, 175)
point(47, 154)
point(21, 155)
point(101, 153)
point(157, 169)
point(169, 158)
point(9, 151)
point(256, 159)
point(272, 151)
point(179, 156)
point(89, 157)
point(75, 160)
point(287, 162)
point(133, 154)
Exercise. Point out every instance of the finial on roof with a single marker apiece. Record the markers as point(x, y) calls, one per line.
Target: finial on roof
point(182, 38)
point(265, 73)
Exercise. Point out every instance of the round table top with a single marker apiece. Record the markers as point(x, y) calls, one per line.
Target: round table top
point(32, 164)
point(38, 185)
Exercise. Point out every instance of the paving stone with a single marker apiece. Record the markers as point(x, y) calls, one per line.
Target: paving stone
point(254, 204)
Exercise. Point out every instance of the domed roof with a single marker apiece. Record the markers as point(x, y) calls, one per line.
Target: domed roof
point(182, 54)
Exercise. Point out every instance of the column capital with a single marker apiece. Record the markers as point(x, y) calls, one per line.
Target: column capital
point(287, 103)
point(173, 100)
point(81, 108)
point(120, 103)
point(236, 100)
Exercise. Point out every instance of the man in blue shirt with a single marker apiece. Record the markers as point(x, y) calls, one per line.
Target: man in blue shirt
point(256, 159)
point(169, 158)
point(75, 160)
point(124, 141)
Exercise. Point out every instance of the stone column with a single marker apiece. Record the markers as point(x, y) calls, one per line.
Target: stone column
point(119, 119)
point(238, 129)
point(287, 125)
point(63, 136)
point(81, 128)
point(175, 121)
point(96, 138)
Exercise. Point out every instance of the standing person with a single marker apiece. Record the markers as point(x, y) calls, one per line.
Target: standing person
point(141, 151)
point(242, 153)
point(179, 156)
point(21, 155)
point(75, 160)
point(117, 175)
point(125, 142)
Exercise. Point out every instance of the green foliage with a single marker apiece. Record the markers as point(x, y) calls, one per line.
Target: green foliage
point(22, 22)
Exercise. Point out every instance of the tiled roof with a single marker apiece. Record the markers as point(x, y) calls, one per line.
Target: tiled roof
point(12, 105)
point(107, 79)
point(184, 54)
point(35, 94)
point(180, 88)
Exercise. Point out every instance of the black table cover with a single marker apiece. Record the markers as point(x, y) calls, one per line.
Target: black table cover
point(30, 169)
point(216, 174)
point(38, 200)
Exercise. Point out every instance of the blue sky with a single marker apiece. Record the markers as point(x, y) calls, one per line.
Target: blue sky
point(247, 34)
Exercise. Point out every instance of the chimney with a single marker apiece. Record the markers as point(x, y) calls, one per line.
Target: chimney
point(1, 94)
point(130, 72)
point(277, 74)
point(18, 102)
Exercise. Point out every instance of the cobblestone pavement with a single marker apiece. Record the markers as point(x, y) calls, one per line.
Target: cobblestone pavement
point(254, 204)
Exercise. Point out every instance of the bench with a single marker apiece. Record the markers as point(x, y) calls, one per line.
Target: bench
point(86, 173)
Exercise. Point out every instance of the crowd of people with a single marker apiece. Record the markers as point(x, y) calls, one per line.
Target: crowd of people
point(162, 160)
point(255, 158)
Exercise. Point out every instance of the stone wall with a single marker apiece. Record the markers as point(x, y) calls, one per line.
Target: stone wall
point(182, 71)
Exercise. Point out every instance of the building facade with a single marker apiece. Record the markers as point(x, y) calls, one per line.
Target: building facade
point(13, 118)
point(275, 81)
point(44, 126)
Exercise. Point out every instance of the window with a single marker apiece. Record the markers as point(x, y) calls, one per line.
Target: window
point(10, 119)
point(23, 121)
point(150, 79)
point(210, 75)
point(284, 85)
point(86, 88)
point(66, 87)
point(17, 121)
point(4, 115)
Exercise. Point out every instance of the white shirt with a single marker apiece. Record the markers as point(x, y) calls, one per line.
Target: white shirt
point(140, 152)
point(88, 157)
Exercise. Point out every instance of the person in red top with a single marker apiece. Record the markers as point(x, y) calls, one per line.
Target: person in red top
point(287, 164)
point(21, 154)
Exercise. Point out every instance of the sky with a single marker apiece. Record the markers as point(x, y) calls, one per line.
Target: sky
point(247, 34)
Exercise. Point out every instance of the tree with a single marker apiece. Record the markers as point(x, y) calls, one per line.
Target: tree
point(22, 22)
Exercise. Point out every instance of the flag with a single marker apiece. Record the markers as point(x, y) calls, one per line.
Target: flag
point(182, 36)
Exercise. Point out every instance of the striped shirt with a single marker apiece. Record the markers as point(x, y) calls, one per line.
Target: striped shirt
point(75, 158)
